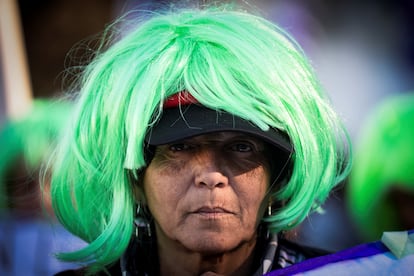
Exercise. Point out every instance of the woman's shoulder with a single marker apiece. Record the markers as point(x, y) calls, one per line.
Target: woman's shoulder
point(305, 250)
point(290, 252)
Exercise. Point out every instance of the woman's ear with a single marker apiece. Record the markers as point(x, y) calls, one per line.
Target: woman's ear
point(139, 195)
point(136, 179)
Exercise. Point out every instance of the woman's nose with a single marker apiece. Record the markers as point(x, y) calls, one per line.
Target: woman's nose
point(210, 171)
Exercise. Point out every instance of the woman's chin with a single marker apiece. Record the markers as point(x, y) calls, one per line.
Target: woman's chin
point(210, 249)
point(212, 244)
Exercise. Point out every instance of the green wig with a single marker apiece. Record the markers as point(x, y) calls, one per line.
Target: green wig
point(30, 140)
point(228, 60)
point(384, 158)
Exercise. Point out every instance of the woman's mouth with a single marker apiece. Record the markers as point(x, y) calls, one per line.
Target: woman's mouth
point(212, 212)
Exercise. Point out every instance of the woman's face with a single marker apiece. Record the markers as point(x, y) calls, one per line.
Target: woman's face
point(207, 194)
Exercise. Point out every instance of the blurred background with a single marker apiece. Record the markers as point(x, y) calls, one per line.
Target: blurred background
point(363, 52)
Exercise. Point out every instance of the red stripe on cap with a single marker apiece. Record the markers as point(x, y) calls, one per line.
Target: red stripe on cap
point(179, 99)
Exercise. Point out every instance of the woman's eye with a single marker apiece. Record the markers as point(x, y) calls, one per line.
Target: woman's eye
point(242, 147)
point(179, 147)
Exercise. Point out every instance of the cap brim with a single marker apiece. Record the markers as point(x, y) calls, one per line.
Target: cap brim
point(193, 120)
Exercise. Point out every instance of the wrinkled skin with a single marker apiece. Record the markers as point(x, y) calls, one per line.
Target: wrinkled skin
point(207, 195)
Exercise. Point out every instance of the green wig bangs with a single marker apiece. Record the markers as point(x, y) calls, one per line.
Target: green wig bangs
point(228, 60)
point(384, 158)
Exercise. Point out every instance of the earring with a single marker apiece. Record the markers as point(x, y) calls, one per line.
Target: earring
point(269, 208)
point(142, 226)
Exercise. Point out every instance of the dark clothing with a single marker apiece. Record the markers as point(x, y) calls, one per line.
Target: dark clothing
point(272, 253)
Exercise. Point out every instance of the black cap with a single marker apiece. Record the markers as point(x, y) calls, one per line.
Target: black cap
point(188, 120)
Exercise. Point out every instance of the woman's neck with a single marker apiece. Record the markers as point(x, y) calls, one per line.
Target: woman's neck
point(174, 259)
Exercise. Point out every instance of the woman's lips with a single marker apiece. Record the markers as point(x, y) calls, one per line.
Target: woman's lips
point(212, 212)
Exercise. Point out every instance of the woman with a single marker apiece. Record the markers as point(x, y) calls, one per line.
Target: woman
point(380, 194)
point(208, 129)
point(26, 142)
